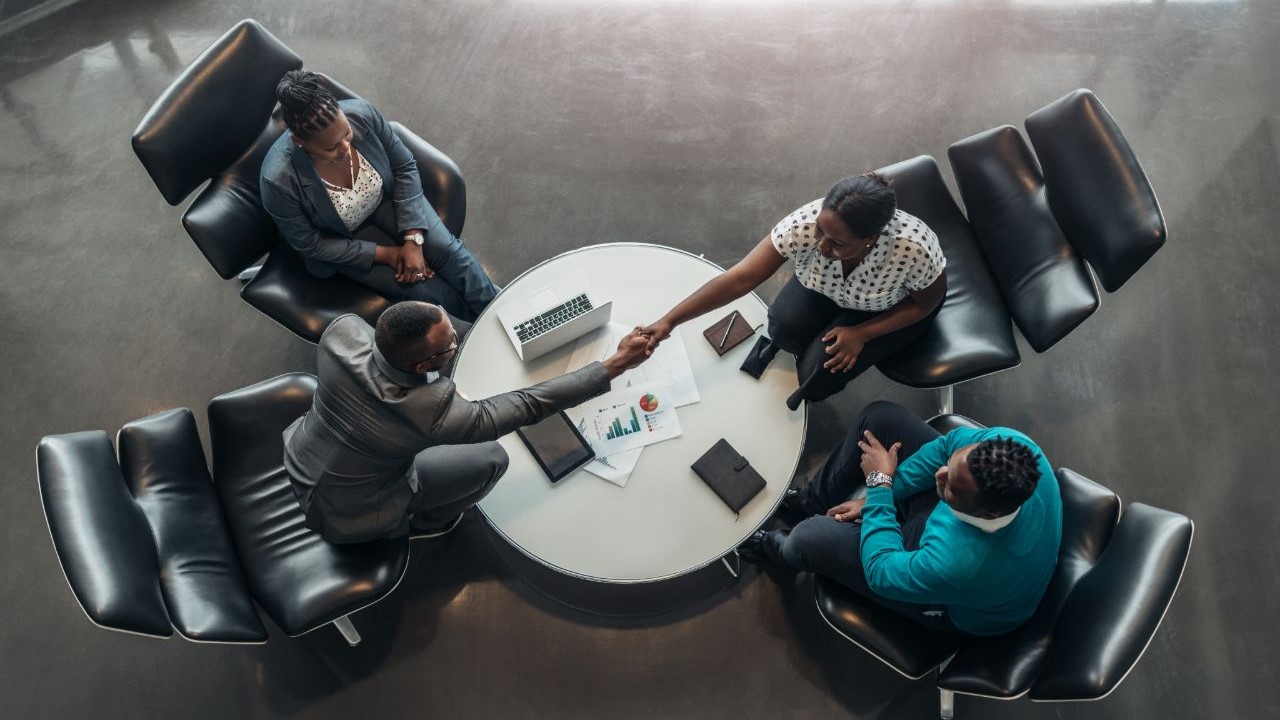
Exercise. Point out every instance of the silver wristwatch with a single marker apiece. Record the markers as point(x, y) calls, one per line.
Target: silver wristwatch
point(415, 236)
point(878, 479)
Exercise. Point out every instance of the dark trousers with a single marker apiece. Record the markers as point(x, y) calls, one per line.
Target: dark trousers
point(798, 319)
point(823, 546)
point(452, 478)
point(460, 285)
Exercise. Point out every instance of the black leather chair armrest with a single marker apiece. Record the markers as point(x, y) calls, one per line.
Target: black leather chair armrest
point(200, 575)
point(100, 535)
point(1045, 284)
point(1096, 188)
point(441, 179)
point(1115, 609)
point(227, 220)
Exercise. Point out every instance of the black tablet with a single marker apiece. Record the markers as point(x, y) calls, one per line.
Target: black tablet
point(557, 446)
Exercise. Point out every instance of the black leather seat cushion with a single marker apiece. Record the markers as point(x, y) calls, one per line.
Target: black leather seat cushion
point(1005, 666)
point(300, 580)
point(1096, 187)
point(1116, 608)
point(903, 645)
point(204, 589)
point(183, 141)
point(1045, 285)
point(304, 303)
point(971, 335)
point(101, 536)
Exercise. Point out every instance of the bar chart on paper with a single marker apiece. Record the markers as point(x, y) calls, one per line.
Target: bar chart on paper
point(616, 429)
point(627, 419)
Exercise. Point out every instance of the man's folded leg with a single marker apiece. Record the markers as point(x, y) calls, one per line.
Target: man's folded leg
point(452, 478)
point(826, 547)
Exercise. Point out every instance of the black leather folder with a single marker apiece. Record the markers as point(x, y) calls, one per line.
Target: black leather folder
point(726, 334)
point(729, 474)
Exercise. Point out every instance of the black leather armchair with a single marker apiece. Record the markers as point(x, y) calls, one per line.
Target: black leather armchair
point(1116, 575)
point(215, 123)
point(151, 543)
point(1021, 254)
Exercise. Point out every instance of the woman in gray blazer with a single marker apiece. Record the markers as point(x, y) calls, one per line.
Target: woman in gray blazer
point(345, 193)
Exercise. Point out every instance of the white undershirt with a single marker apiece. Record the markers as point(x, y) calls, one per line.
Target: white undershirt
point(987, 525)
point(355, 206)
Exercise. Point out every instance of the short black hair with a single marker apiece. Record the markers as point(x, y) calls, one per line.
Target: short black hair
point(865, 203)
point(1006, 472)
point(306, 104)
point(401, 334)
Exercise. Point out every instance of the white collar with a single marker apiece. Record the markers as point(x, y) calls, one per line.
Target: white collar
point(987, 525)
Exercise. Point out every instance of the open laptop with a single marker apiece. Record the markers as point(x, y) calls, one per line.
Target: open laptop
point(548, 317)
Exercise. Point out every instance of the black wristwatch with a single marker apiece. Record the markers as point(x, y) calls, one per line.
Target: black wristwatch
point(877, 479)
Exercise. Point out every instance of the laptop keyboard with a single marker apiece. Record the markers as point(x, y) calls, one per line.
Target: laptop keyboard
point(553, 318)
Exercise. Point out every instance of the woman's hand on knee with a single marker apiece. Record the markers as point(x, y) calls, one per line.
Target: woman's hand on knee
point(844, 345)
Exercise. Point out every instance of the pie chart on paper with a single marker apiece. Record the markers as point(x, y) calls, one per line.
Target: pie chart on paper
point(649, 402)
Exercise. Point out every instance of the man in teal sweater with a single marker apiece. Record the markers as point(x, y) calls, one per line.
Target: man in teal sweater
point(961, 536)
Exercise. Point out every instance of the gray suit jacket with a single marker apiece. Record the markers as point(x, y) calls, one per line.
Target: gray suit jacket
point(350, 458)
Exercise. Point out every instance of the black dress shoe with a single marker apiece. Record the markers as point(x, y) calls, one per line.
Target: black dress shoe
point(422, 531)
point(762, 353)
point(752, 549)
point(795, 507)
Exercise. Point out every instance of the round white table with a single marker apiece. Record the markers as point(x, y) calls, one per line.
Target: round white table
point(665, 522)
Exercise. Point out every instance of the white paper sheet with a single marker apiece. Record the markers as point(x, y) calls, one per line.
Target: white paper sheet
point(616, 468)
point(627, 419)
point(669, 364)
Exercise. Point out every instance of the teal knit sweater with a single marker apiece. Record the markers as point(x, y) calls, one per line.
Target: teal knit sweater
point(990, 583)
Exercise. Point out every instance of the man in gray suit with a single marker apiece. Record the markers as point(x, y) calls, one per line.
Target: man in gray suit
point(389, 447)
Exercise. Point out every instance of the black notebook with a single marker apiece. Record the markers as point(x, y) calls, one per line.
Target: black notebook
point(729, 474)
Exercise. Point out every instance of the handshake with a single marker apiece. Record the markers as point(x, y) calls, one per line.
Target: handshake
point(636, 347)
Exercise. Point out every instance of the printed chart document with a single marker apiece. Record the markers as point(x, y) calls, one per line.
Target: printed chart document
point(669, 364)
point(615, 468)
point(621, 423)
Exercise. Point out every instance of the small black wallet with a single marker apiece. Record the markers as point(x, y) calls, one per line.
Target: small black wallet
point(729, 474)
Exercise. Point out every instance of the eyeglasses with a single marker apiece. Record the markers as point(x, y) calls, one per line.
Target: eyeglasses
point(452, 346)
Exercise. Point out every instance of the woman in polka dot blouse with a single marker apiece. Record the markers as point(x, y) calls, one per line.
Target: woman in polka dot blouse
point(866, 274)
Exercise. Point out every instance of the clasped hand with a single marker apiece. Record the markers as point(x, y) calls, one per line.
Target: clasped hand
point(844, 345)
point(410, 267)
point(655, 333)
point(633, 349)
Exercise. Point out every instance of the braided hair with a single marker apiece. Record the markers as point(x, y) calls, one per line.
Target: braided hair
point(1006, 473)
point(305, 103)
point(865, 203)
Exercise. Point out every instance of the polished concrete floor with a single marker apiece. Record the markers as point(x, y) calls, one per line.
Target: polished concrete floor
point(695, 123)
